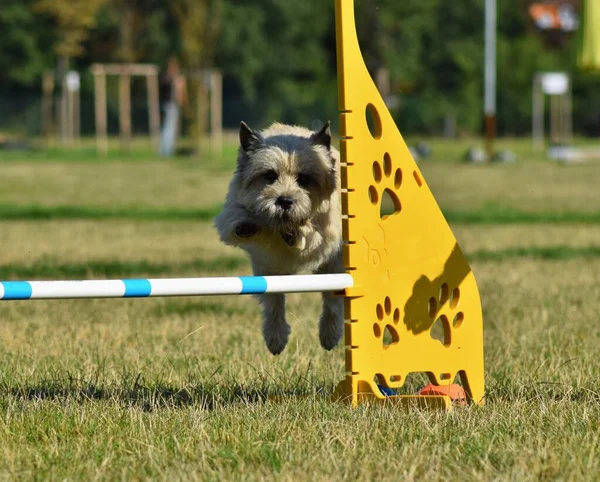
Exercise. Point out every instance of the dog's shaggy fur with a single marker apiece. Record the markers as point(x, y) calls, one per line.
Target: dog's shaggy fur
point(283, 209)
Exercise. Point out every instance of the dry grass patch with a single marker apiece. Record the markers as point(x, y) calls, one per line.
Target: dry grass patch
point(161, 183)
point(531, 187)
point(177, 388)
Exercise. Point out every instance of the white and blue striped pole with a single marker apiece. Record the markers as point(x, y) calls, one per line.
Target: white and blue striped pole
point(142, 288)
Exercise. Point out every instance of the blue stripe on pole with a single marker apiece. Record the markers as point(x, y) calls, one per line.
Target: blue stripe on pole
point(16, 290)
point(252, 285)
point(137, 288)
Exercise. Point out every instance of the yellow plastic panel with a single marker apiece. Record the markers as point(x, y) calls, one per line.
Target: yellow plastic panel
point(409, 272)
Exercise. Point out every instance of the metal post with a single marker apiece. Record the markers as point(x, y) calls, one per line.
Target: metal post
point(490, 76)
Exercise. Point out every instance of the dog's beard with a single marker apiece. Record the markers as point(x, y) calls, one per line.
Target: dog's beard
point(270, 215)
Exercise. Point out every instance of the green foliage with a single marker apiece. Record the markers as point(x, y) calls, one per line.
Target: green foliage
point(276, 52)
point(278, 56)
point(199, 24)
point(73, 20)
point(22, 56)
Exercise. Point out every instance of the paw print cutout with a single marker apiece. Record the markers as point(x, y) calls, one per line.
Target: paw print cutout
point(386, 326)
point(441, 329)
point(392, 204)
point(386, 182)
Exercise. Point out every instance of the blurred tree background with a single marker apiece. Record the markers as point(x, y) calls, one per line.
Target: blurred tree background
point(278, 58)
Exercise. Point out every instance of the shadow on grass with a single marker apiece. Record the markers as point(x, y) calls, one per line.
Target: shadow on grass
point(210, 397)
point(136, 394)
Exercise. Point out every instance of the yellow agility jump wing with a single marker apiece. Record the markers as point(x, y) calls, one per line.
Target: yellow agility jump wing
point(409, 272)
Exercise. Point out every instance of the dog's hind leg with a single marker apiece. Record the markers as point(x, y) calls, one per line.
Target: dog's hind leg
point(331, 323)
point(276, 330)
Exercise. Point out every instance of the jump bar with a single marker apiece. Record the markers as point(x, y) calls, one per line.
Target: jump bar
point(143, 288)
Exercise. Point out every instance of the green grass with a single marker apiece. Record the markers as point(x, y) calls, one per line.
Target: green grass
point(48, 269)
point(490, 214)
point(528, 191)
point(140, 151)
point(493, 214)
point(549, 252)
point(181, 388)
point(38, 212)
point(117, 269)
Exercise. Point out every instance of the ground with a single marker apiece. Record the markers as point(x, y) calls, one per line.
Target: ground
point(177, 388)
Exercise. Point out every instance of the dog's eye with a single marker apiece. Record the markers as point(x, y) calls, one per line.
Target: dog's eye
point(270, 176)
point(304, 180)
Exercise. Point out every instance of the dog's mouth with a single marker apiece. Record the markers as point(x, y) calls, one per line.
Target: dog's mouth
point(282, 218)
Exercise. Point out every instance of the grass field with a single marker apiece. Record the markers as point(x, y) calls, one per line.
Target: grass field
point(177, 388)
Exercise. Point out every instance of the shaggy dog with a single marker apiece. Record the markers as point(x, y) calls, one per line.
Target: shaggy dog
point(283, 209)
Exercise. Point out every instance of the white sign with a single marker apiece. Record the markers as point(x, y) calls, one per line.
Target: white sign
point(72, 81)
point(555, 83)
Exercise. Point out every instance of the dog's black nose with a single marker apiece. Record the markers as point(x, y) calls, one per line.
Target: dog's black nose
point(284, 202)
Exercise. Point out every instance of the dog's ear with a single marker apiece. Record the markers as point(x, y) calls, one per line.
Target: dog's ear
point(323, 137)
point(249, 140)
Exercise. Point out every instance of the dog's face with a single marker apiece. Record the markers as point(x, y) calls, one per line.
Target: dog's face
point(285, 177)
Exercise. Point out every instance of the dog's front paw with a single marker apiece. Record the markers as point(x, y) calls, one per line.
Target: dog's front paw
point(331, 329)
point(246, 230)
point(276, 336)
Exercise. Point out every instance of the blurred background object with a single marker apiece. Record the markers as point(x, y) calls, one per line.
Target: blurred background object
point(589, 53)
point(263, 60)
